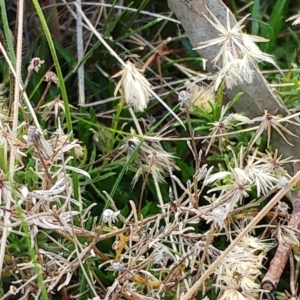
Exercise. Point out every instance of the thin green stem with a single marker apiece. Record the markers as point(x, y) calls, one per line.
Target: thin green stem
point(62, 88)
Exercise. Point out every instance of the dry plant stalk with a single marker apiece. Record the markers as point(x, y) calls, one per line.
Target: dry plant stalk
point(197, 286)
point(8, 203)
point(156, 255)
point(281, 256)
point(256, 96)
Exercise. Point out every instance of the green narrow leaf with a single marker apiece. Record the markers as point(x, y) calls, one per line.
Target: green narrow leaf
point(7, 33)
point(256, 15)
point(62, 87)
point(275, 25)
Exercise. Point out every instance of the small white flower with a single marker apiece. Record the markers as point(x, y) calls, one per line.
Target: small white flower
point(282, 182)
point(13, 290)
point(110, 216)
point(238, 52)
point(24, 191)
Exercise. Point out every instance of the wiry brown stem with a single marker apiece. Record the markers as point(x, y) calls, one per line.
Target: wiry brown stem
point(281, 256)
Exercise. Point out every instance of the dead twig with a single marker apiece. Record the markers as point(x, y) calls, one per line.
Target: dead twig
point(281, 256)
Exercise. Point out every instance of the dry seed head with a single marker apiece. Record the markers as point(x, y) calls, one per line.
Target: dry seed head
point(134, 85)
point(273, 163)
point(56, 106)
point(36, 138)
point(9, 141)
point(269, 122)
point(33, 135)
point(61, 143)
point(201, 95)
point(296, 19)
point(234, 72)
point(51, 76)
point(288, 236)
point(263, 178)
point(35, 64)
point(238, 52)
point(254, 244)
point(152, 159)
point(218, 216)
point(219, 127)
point(159, 163)
point(231, 289)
